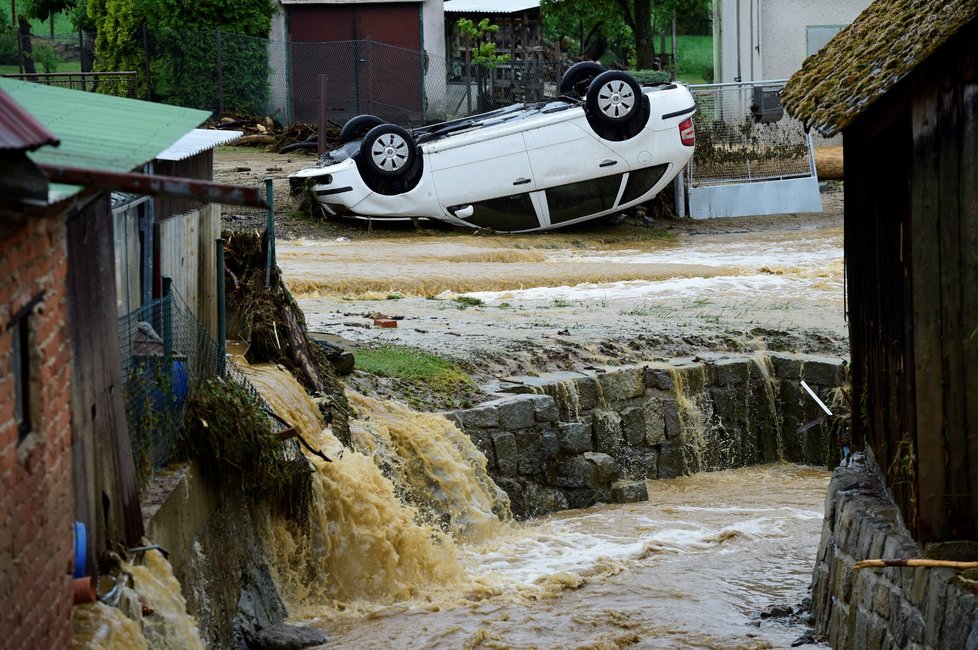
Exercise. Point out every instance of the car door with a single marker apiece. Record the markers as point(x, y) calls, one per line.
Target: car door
point(580, 174)
point(492, 175)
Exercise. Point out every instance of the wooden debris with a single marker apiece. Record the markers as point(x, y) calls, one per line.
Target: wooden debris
point(936, 564)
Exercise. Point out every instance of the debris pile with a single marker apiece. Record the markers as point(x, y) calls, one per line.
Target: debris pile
point(268, 133)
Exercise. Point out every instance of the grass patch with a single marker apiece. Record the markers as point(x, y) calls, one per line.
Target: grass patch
point(694, 58)
point(468, 301)
point(425, 380)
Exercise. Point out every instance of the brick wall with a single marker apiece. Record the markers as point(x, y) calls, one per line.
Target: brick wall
point(36, 507)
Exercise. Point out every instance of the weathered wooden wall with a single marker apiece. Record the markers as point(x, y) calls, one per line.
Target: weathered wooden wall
point(912, 266)
point(104, 473)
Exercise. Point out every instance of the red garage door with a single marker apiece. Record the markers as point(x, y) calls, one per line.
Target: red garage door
point(370, 53)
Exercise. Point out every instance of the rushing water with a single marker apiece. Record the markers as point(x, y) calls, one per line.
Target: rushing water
point(155, 615)
point(403, 548)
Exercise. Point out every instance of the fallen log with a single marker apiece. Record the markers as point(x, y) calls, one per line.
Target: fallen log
point(935, 564)
point(256, 140)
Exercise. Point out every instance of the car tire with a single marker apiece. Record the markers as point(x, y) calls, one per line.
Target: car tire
point(358, 126)
point(614, 98)
point(388, 152)
point(575, 82)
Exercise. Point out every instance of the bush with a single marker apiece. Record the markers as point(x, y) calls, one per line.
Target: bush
point(650, 77)
point(8, 41)
point(46, 58)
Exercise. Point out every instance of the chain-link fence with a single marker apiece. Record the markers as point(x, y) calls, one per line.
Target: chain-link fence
point(744, 135)
point(165, 355)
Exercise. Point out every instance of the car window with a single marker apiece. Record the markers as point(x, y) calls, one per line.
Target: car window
point(576, 200)
point(513, 212)
point(641, 181)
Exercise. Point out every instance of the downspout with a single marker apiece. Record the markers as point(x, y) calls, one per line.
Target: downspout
point(424, 70)
point(738, 78)
point(752, 77)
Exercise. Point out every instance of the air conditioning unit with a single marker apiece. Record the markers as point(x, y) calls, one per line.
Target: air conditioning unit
point(766, 104)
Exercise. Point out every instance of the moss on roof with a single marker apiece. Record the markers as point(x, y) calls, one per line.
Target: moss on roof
point(867, 58)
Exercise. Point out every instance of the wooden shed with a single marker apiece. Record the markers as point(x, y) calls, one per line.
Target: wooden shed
point(901, 85)
point(519, 36)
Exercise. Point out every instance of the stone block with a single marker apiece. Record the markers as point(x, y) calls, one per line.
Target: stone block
point(544, 408)
point(659, 378)
point(823, 373)
point(507, 453)
point(483, 417)
point(786, 365)
point(517, 413)
point(483, 442)
point(670, 415)
point(639, 463)
point(572, 472)
point(549, 445)
point(541, 500)
point(608, 436)
point(633, 425)
point(530, 459)
point(623, 384)
point(960, 612)
point(581, 497)
point(881, 599)
point(629, 492)
point(934, 606)
point(588, 393)
point(604, 468)
point(730, 404)
point(672, 461)
point(574, 437)
point(515, 489)
point(731, 372)
point(653, 411)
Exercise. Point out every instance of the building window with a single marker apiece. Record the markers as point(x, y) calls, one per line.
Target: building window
point(20, 331)
point(820, 35)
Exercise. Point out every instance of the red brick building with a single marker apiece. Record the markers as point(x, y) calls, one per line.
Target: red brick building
point(36, 504)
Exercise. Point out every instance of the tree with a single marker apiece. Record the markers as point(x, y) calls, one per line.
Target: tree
point(637, 15)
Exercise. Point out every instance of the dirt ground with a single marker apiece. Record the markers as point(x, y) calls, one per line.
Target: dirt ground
point(506, 306)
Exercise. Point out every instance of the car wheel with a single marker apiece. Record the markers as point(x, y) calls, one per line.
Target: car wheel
point(388, 151)
point(614, 97)
point(575, 82)
point(358, 126)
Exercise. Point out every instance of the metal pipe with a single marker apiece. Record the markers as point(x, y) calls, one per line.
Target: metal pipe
point(221, 311)
point(765, 82)
point(323, 116)
point(269, 231)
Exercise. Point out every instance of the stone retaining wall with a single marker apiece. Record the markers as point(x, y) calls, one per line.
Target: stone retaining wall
point(899, 607)
point(571, 439)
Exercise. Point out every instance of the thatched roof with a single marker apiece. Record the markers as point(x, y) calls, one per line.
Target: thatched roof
point(867, 58)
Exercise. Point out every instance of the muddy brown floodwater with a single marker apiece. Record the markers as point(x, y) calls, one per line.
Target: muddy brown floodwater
point(692, 567)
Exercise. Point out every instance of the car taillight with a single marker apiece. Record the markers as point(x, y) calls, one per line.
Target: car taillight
point(687, 133)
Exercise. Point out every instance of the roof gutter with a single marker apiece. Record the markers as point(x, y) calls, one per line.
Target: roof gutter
point(172, 186)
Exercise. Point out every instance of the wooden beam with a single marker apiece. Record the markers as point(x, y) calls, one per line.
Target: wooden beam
point(171, 186)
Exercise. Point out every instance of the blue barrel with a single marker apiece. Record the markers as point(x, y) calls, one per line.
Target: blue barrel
point(81, 550)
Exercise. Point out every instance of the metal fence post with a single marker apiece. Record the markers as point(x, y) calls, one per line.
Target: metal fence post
point(221, 311)
point(167, 306)
point(269, 231)
point(220, 72)
point(323, 115)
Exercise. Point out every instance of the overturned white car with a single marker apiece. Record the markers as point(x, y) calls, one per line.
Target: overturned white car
point(606, 145)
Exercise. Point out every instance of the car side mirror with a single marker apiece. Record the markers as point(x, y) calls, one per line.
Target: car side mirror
point(464, 212)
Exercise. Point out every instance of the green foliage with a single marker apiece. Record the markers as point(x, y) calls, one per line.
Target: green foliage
point(468, 301)
point(8, 41)
point(227, 433)
point(44, 9)
point(483, 49)
point(46, 58)
point(648, 77)
point(119, 44)
point(424, 380)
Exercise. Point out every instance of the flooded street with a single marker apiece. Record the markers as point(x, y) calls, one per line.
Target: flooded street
point(695, 566)
point(692, 567)
point(542, 301)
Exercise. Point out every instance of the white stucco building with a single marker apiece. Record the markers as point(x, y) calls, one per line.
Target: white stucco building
point(768, 39)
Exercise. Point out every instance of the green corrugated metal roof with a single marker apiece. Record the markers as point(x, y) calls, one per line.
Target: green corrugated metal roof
point(100, 131)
